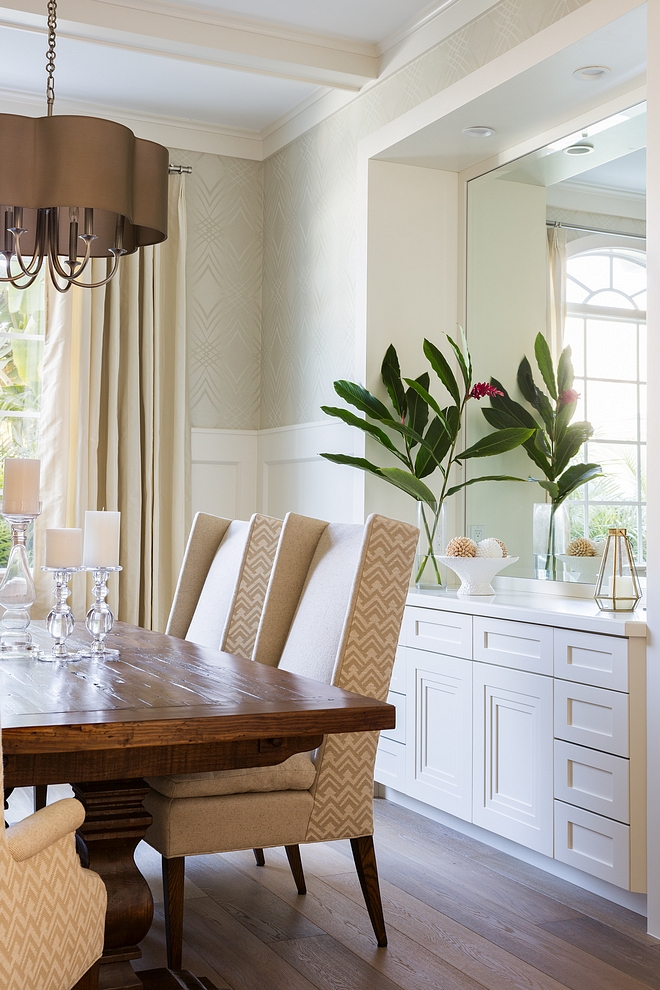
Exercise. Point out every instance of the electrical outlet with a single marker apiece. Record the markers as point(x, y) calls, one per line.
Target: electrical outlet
point(477, 532)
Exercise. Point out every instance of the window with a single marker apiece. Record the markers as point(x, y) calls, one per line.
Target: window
point(606, 328)
point(22, 330)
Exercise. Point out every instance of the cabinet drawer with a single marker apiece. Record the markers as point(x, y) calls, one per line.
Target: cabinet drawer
point(592, 780)
point(592, 659)
point(438, 632)
point(391, 764)
point(398, 680)
point(520, 645)
point(593, 844)
point(398, 733)
point(592, 717)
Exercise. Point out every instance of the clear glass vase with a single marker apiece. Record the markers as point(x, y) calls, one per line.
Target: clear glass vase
point(432, 537)
point(550, 539)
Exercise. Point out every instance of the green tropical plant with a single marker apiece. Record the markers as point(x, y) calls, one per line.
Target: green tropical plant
point(420, 434)
point(556, 440)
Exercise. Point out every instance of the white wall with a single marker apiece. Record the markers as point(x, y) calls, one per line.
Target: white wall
point(506, 308)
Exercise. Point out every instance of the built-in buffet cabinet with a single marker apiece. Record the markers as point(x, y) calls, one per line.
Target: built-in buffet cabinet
point(525, 715)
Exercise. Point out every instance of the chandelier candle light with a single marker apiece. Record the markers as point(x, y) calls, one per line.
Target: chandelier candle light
point(101, 557)
point(20, 506)
point(74, 188)
point(64, 550)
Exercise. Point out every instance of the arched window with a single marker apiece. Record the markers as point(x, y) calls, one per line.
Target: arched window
point(606, 328)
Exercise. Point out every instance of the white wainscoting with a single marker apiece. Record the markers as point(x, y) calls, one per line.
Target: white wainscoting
point(238, 472)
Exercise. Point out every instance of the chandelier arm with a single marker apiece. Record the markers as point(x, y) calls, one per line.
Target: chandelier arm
point(13, 279)
point(39, 249)
point(97, 285)
point(76, 273)
point(53, 276)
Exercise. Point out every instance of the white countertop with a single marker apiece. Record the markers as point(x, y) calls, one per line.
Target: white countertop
point(548, 610)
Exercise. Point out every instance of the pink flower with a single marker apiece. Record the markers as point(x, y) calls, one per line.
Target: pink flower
point(568, 396)
point(481, 389)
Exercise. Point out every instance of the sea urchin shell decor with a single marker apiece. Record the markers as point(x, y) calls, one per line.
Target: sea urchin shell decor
point(476, 573)
point(489, 548)
point(461, 546)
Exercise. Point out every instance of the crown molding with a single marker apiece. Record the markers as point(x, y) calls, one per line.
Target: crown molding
point(173, 132)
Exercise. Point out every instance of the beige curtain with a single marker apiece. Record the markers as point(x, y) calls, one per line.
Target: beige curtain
point(115, 431)
point(556, 290)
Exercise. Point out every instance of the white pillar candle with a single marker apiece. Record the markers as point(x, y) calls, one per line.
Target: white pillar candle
point(20, 495)
point(625, 587)
point(101, 539)
point(64, 547)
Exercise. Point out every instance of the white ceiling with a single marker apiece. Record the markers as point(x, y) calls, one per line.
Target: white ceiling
point(626, 174)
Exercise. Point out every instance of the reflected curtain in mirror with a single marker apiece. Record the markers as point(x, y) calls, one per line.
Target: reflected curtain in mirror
point(556, 290)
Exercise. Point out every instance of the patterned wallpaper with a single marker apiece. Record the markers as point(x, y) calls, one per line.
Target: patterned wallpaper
point(225, 239)
point(309, 222)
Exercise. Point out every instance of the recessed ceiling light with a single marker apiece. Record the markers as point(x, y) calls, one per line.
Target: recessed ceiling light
point(590, 73)
point(579, 149)
point(478, 132)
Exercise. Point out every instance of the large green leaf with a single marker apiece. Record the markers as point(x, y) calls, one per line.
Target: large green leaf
point(565, 373)
point(440, 439)
point(496, 443)
point(506, 404)
point(466, 373)
point(439, 364)
point(544, 361)
point(346, 416)
point(409, 483)
point(575, 476)
point(570, 443)
point(424, 393)
point(417, 409)
point(505, 412)
point(362, 399)
point(550, 486)
point(564, 417)
point(526, 382)
point(488, 477)
point(391, 375)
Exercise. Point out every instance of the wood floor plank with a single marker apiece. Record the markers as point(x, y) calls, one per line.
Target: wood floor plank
point(330, 966)
point(615, 948)
point(260, 911)
point(154, 955)
point(405, 962)
point(471, 953)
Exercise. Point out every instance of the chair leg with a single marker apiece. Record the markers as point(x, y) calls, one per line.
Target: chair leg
point(90, 981)
point(259, 857)
point(295, 862)
point(364, 855)
point(173, 877)
point(40, 796)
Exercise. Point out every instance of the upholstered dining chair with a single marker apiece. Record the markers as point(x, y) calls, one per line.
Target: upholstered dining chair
point(52, 911)
point(332, 612)
point(223, 581)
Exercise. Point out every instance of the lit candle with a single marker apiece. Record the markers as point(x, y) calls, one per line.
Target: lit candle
point(624, 588)
point(20, 496)
point(101, 539)
point(64, 547)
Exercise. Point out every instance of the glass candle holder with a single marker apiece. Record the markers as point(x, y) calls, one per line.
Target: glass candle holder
point(100, 620)
point(617, 587)
point(17, 592)
point(60, 621)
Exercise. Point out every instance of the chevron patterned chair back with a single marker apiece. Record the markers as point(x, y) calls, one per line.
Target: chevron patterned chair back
point(52, 911)
point(223, 581)
point(332, 612)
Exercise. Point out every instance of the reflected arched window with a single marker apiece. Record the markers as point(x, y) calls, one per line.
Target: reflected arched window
point(606, 328)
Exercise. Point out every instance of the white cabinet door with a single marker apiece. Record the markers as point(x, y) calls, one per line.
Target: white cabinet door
point(513, 781)
point(439, 742)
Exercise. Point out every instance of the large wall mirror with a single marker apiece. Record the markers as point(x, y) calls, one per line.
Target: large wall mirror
point(556, 244)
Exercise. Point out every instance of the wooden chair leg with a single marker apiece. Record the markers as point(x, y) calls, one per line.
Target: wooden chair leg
point(364, 855)
point(40, 796)
point(259, 856)
point(90, 981)
point(295, 862)
point(173, 877)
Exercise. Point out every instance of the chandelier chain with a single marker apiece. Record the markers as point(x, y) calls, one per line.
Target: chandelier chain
point(50, 55)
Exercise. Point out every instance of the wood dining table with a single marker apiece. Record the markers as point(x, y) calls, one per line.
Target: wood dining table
point(164, 706)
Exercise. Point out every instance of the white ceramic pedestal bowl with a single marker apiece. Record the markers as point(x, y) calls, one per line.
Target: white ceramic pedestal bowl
point(583, 569)
point(476, 573)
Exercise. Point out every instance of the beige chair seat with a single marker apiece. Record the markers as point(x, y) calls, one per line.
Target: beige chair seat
point(295, 774)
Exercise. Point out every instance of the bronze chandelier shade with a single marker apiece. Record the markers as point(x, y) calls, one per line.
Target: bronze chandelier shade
point(77, 187)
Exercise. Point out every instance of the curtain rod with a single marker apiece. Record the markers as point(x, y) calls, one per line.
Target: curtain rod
point(593, 230)
point(180, 169)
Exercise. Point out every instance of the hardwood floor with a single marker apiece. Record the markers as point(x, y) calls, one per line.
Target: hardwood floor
point(460, 916)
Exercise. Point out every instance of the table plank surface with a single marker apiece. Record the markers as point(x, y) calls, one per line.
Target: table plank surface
point(165, 689)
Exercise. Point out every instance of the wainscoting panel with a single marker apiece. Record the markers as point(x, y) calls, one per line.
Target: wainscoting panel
point(224, 472)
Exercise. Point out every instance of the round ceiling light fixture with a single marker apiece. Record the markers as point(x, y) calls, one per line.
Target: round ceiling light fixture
point(591, 73)
point(583, 148)
point(478, 132)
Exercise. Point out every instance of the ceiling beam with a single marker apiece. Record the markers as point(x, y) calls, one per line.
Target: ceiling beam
point(193, 34)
